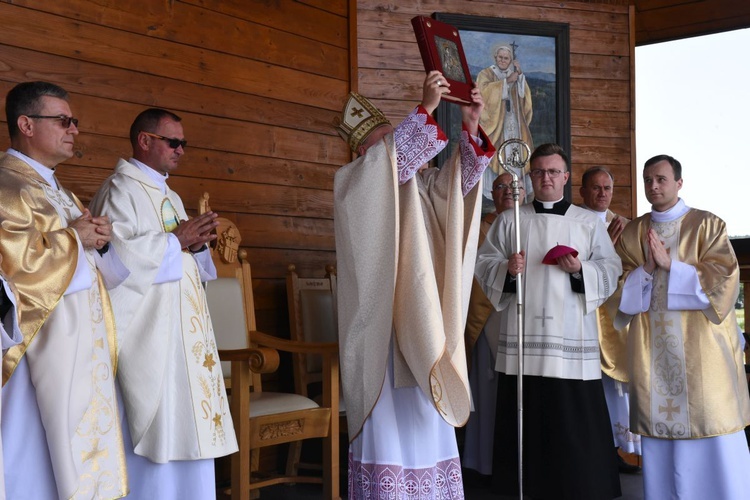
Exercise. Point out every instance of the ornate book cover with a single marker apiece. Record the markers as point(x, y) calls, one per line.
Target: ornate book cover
point(441, 49)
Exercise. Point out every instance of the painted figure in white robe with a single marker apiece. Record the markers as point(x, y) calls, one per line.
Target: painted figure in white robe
point(10, 335)
point(507, 112)
point(171, 380)
point(405, 244)
point(689, 398)
point(597, 190)
point(567, 436)
point(60, 429)
point(481, 346)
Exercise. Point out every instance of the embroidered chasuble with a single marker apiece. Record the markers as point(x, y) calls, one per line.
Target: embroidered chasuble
point(405, 247)
point(68, 340)
point(561, 331)
point(170, 376)
point(687, 377)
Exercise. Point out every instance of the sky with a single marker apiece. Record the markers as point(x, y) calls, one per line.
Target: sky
point(692, 103)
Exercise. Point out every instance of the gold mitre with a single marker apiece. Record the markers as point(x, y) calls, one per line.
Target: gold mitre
point(359, 118)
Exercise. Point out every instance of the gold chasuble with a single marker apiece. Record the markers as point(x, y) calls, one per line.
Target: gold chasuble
point(687, 377)
point(69, 340)
point(169, 370)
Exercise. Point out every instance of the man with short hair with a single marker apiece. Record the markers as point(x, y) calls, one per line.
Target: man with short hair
point(169, 372)
point(597, 190)
point(569, 269)
point(689, 398)
point(60, 429)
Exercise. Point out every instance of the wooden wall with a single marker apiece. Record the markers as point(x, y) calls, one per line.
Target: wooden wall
point(601, 71)
point(257, 84)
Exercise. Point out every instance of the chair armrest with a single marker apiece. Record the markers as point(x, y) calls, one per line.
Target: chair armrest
point(324, 348)
point(260, 359)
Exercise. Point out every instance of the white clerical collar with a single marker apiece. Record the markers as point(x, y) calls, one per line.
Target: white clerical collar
point(677, 211)
point(549, 205)
point(602, 215)
point(48, 174)
point(159, 178)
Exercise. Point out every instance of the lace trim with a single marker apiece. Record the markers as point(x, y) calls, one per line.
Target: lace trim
point(472, 163)
point(393, 482)
point(418, 140)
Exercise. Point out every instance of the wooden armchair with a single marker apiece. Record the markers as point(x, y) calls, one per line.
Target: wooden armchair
point(264, 418)
point(312, 318)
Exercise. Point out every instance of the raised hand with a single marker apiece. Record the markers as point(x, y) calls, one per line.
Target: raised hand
point(470, 114)
point(434, 87)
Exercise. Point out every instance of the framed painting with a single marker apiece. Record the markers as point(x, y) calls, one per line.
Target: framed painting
point(523, 71)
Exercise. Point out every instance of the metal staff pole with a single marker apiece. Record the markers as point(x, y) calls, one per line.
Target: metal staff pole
point(519, 156)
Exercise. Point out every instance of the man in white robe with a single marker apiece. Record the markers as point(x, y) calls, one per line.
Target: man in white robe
point(60, 428)
point(10, 335)
point(689, 398)
point(170, 376)
point(597, 190)
point(481, 347)
point(567, 438)
point(405, 244)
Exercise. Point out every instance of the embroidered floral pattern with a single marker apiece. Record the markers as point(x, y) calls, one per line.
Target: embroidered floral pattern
point(210, 397)
point(472, 164)
point(418, 140)
point(393, 482)
point(669, 391)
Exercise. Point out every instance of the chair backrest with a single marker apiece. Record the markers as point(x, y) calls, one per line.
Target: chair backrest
point(312, 318)
point(230, 296)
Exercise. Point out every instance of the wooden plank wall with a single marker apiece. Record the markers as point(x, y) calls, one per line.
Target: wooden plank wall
point(257, 84)
point(602, 124)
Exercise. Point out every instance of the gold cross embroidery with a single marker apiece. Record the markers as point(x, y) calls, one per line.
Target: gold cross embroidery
point(94, 455)
point(669, 409)
point(357, 112)
point(662, 324)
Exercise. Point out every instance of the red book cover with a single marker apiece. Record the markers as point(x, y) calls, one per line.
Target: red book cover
point(441, 49)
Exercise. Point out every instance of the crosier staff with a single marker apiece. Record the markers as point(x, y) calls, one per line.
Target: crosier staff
point(518, 158)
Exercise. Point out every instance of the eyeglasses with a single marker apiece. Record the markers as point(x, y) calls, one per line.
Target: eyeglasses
point(553, 173)
point(503, 187)
point(65, 121)
point(173, 142)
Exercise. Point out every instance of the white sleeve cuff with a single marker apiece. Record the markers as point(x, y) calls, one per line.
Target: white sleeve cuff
point(636, 292)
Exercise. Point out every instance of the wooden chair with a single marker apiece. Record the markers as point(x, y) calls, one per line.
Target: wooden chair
point(312, 318)
point(264, 418)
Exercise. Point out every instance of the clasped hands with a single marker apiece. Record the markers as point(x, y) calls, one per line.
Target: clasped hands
point(94, 232)
point(658, 254)
point(196, 232)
